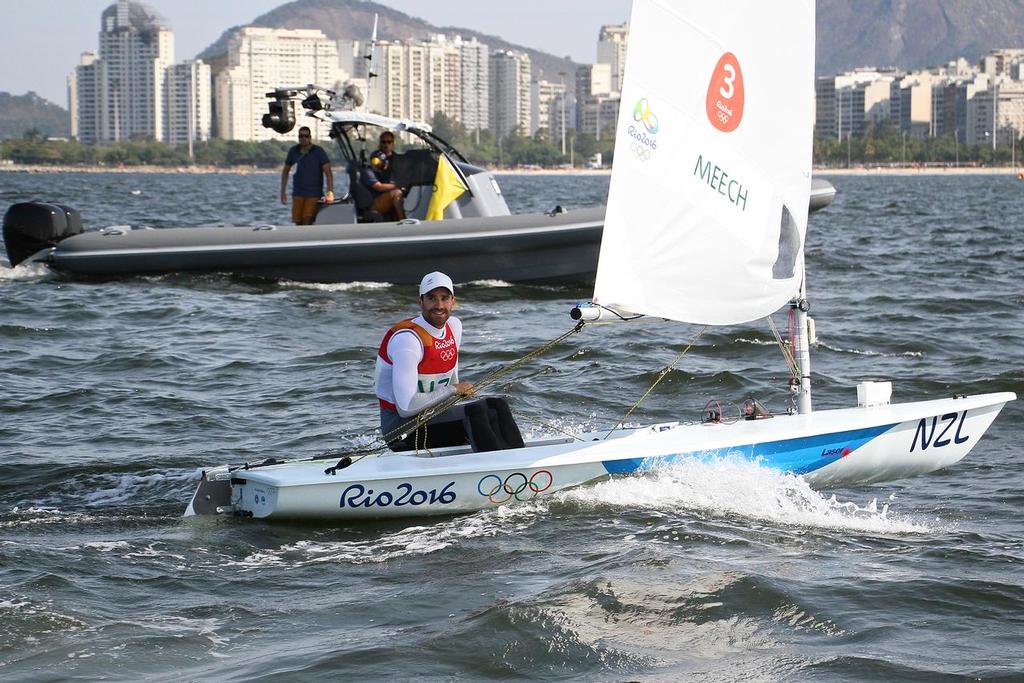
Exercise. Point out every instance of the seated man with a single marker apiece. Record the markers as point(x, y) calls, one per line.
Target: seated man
point(418, 367)
point(387, 197)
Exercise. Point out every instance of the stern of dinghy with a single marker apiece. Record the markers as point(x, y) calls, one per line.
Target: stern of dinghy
point(213, 495)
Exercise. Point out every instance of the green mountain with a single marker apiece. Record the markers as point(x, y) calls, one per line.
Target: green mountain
point(908, 34)
point(31, 114)
point(353, 20)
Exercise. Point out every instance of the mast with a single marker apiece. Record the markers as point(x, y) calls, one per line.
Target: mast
point(802, 346)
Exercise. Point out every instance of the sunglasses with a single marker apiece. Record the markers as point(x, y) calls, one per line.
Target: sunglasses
point(304, 135)
point(387, 142)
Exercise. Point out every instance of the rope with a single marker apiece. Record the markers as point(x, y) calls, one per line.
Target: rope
point(422, 418)
point(787, 351)
point(661, 375)
point(544, 423)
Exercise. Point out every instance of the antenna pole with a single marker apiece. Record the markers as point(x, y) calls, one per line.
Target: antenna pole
point(369, 63)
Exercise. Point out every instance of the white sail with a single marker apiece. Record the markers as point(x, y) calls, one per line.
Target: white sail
point(707, 208)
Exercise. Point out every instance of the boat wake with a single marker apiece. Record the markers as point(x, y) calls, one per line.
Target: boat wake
point(736, 487)
point(411, 541)
point(24, 272)
point(337, 286)
point(122, 488)
point(864, 352)
point(490, 283)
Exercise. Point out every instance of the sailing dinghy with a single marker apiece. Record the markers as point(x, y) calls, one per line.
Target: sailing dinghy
point(725, 131)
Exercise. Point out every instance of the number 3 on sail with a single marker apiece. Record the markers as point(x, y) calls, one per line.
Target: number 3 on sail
point(725, 94)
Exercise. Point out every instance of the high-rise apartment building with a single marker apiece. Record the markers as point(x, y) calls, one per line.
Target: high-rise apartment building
point(510, 109)
point(593, 79)
point(189, 101)
point(129, 88)
point(846, 103)
point(997, 114)
point(612, 41)
point(418, 79)
point(119, 94)
point(84, 99)
point(597, 102)
point(547, 104)
point(1002, 62)
point(262, 59)
point(476, 88)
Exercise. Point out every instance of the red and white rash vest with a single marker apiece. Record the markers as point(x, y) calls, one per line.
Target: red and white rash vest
point(417, 365)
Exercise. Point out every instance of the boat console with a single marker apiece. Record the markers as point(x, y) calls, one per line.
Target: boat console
point(413, 165)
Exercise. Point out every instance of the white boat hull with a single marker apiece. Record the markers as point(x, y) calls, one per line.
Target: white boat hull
point(829, 448)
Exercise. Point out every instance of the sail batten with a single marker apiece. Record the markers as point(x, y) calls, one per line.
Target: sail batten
point(707, 208)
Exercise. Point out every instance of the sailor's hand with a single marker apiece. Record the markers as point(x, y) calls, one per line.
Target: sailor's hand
point(465, 389)
point(284, 197)
point(329, 197)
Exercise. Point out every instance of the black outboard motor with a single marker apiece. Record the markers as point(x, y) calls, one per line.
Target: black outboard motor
point(32, 226)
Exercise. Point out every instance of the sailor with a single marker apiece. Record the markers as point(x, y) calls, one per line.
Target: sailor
point(418, 367)
point(387, 196)
point(311, 166)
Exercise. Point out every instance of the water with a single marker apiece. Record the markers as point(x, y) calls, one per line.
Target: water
point(117, 393)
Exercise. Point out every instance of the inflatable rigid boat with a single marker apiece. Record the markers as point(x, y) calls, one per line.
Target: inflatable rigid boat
point(478, 238)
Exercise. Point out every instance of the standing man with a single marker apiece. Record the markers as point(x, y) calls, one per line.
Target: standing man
point(387, 197)
point(311, 165)
point(418, 367)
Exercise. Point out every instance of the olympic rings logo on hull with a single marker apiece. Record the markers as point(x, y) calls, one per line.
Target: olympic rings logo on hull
point(514, 486)
point(643, 145)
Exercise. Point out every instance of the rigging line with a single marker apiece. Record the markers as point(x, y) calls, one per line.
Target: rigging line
point(544, 423)
point(623, 318)
point(787, 352)
point(637, 319)
point(423, 417)
point(661, 375)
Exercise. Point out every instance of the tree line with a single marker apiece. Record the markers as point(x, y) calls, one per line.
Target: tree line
point(881, 144)
point(480, 147)
point(33, 149)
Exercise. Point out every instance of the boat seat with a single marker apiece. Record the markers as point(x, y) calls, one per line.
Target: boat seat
point(361, 197)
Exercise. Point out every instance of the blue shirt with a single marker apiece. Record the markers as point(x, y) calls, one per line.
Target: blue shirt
point(309, 174)
point(369, 177)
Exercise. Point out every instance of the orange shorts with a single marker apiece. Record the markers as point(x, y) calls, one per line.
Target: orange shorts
point(385, 206)
point(304, 210)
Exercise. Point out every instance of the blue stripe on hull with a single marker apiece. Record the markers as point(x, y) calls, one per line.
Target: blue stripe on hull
point(799, 456)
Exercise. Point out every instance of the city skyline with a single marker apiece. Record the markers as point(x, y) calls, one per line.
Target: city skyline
point(56, 39)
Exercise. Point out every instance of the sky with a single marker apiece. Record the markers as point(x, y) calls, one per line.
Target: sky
point(49, 35)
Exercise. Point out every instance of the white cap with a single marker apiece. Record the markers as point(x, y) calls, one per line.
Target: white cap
point(432, 281)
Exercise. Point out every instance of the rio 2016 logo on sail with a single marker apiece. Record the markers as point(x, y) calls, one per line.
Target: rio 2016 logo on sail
point(643, 144)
